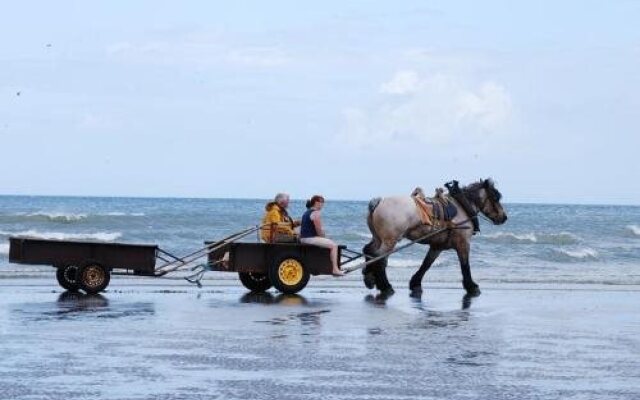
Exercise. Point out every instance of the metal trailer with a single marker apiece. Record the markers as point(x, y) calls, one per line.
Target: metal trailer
point(286, 266)
point(89, 265)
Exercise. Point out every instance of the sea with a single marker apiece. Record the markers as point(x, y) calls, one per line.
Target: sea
point(540, 243)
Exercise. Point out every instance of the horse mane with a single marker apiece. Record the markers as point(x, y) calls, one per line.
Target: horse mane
point(472, 189)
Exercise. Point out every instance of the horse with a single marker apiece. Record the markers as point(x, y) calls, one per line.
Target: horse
point(391, 219)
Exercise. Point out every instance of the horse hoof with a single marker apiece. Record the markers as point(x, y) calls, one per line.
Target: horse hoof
point(369, 281)
point(473, 291)
point(387, 292)
point(415, 291)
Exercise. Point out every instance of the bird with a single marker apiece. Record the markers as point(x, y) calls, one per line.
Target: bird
point(18, 93)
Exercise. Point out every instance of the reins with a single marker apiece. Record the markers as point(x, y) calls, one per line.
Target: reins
point(404, 246)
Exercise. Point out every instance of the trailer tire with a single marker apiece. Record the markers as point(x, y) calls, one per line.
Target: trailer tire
point(66, 276)
point(288, 274)
point(255, 281)
point(93, 278)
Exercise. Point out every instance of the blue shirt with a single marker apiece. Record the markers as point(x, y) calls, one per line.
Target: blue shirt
point(307, 227)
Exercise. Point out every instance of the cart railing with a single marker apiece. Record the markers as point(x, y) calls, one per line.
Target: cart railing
point(174, 263)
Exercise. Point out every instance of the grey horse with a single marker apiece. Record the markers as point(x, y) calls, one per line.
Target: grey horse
point(392, 218)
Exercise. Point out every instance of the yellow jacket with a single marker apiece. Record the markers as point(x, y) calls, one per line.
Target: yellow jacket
point(277, 217)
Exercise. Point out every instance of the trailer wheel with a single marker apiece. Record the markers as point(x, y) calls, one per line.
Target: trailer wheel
point(255, 281)
point(288, 274)
point(93, 278)
point(66, 276)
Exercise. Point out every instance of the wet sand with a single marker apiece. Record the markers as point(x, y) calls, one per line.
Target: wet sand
point(147, 339)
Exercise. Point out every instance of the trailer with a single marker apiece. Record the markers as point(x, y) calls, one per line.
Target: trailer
point(88, 265)
point(285, 266)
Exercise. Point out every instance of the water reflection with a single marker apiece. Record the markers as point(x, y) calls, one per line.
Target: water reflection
point(379, 300)
point(75, 301)
point(75, 305)
point(467, 299)
point(269, 298)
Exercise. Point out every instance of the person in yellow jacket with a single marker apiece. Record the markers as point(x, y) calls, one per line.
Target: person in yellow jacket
point(280, 227)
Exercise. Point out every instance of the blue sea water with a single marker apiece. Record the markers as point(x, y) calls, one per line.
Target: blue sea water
point(539, 243)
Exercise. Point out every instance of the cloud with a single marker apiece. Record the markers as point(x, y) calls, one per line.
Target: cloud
point(403, 82)
point(433, 109)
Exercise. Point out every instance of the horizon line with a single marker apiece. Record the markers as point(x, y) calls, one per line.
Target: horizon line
point(293, 199)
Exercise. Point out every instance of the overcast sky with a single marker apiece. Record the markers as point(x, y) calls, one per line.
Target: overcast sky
point(348, 99)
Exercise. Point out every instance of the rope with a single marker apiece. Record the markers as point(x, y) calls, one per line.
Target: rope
point(404, 246)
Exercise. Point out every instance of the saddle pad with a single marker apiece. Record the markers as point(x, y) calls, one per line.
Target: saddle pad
point(432, 211)
point(425, 210)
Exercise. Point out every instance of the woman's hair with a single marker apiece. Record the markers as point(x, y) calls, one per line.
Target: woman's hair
point(314, 199)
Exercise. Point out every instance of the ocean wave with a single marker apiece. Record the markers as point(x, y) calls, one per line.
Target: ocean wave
point(99, 236)
point(634, 229)
point(122, 214)
point(55, 216)
point(4, 248)
point(532, 238)
point(64, 217)
point(582, 254)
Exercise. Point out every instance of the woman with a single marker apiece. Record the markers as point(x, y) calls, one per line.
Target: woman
point(311, 231)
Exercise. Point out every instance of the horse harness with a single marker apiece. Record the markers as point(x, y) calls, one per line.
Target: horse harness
point(460, 196)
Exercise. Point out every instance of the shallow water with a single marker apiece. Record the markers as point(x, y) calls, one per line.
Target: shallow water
point(170, 341)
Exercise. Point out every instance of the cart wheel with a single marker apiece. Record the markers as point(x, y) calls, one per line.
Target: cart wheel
point(66, 276)
point(255, 281)
point(288, 274)
point(93, 278)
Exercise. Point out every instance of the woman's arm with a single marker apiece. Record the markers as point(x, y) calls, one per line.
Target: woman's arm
point(315, 217)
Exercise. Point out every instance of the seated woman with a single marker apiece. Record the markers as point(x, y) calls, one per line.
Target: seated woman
point(311, 231)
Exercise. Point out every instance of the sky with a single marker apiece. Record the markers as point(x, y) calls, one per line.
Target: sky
point(348, 99)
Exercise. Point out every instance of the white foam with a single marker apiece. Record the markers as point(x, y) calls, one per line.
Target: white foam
point(580, 254)
point(512, 237)
point(4, 248)
point(123, 214)
point(57, 216)
point(635, 229)
point(99, 236)
point(530, 238)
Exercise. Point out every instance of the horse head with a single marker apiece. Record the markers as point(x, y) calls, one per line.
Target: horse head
point(487, 198)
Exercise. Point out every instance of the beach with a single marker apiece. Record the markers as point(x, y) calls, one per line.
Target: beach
point(557, 318)
point(165, 339)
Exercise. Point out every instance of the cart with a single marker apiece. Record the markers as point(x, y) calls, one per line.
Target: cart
point(88, 266)
point(285, 266)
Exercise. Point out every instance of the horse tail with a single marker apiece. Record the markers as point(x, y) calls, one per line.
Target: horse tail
point(373, 204)
point(372, 246)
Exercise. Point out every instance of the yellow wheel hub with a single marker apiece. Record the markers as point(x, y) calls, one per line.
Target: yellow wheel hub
point(290, 272)
point(94, 276)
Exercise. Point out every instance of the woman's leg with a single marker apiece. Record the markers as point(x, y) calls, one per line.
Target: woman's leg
point(329, 244)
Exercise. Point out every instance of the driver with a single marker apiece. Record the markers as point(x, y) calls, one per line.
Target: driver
point(278, 226)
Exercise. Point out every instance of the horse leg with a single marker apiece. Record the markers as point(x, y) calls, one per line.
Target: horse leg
point(368, 273)
point(381, 277)
point(415, 284)
point(375, 274)
point(467, 281)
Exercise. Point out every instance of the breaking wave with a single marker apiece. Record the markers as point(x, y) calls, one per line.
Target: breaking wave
point(56, 217)
point(99, 236)
point(532, 238)
point(4, 248)
point(634, 229)
point(583, 254)
point(123, 214)
point(63, 217)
